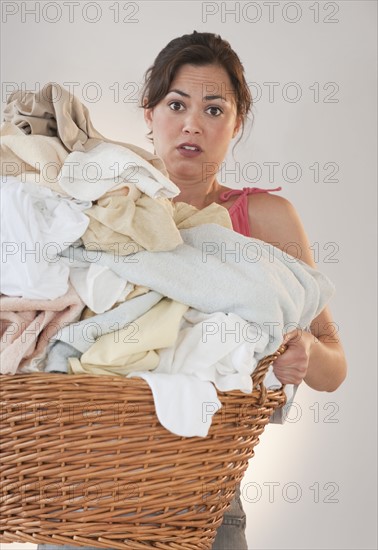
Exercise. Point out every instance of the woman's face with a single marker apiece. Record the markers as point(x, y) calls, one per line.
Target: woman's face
point(198, 110)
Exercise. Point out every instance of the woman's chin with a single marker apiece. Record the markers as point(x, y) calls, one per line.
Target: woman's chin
point(186, 174)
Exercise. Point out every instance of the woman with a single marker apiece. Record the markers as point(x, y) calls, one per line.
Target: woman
point(195, 101)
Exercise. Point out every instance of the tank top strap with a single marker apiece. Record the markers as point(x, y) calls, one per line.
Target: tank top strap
point(226, 195)
point(239, 209)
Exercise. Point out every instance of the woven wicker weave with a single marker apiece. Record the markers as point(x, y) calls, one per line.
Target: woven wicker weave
point(85, 461)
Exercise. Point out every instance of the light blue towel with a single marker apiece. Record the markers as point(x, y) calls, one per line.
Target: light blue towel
point(217, 269)
point(83, 334)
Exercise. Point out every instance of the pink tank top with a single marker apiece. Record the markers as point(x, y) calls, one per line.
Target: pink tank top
point(239, 209)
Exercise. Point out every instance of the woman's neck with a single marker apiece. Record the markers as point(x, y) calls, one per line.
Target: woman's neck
point(200, 195)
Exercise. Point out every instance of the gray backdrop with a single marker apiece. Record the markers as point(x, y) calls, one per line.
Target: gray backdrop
point(312, 70)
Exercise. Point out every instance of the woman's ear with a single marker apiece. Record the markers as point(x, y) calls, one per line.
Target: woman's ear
point(238, 124)
point(148, 116)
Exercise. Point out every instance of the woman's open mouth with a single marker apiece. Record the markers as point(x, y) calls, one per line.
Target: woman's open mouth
point(189, 150)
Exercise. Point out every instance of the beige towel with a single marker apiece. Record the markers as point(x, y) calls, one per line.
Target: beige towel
point(54, 111)
point(187, 216)
point(123, 226)
point(133, 348)
point(32, 158)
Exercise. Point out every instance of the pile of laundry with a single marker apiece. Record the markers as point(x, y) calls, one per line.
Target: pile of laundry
point(102, 273)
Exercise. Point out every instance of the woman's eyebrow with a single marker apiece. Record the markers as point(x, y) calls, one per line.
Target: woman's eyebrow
point(206, 98)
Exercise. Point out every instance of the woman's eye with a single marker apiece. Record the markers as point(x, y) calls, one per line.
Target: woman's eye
point(216, 111)
point(175, 105)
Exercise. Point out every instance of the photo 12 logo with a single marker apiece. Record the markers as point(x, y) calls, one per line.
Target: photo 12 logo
point(270, 12)
point(69, 12)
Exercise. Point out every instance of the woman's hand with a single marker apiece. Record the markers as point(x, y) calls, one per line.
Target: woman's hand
point(291, 367)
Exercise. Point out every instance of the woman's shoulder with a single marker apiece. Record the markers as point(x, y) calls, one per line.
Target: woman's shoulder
point(275, 220)
point(268, 210)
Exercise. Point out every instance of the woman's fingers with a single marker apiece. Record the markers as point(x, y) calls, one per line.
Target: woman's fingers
point(291, 367)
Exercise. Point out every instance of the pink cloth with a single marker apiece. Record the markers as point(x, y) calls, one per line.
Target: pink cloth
point(27, 325)
point(239, 210)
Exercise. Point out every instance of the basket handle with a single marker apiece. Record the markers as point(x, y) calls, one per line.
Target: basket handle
point(260, 371)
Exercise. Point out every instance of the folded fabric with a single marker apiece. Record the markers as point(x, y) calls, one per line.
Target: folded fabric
point(130, 291)
point(36, 225)
point(187, 216)
point(52, 111)
point(58, 355)
point(217, 269)
point(143, 361)
point(123, 226)
point(135, 346)
point(98, 286)
point(27, 326)
point(218, 347)
point(88, 175)
point(32, 158)
point(81, 335)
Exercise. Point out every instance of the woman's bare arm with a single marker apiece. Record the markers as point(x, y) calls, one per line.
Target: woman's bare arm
point(317, 357)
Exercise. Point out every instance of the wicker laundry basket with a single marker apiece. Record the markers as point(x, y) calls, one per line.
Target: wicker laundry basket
point(85, 461)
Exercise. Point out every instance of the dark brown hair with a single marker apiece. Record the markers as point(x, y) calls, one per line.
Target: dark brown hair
point(198, 48)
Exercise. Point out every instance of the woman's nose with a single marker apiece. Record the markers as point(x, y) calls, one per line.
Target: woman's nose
point(192, 124)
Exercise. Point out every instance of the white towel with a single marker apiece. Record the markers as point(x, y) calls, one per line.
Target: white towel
point(211, 350)
point(172, 405)
point(98, 286)
point(36, 225)
point(89, 175)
